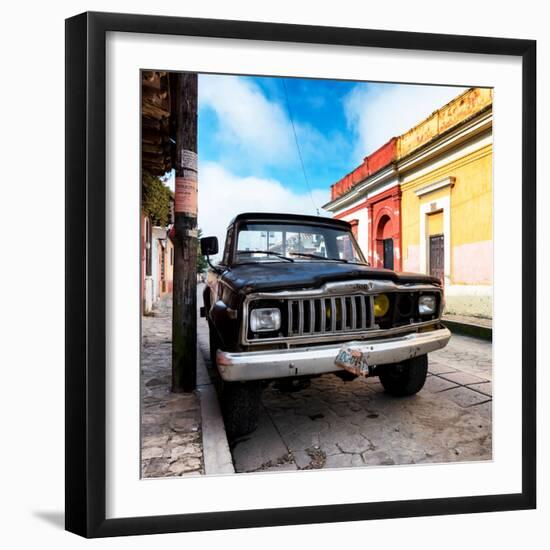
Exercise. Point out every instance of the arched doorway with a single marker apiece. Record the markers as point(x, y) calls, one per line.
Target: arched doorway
point(384, 214)
point(384, 242)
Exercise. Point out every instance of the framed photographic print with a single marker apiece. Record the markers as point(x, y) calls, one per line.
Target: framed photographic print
point(300, 273)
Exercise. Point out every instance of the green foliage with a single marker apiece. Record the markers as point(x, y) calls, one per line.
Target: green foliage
point(202, 264)
point(155, 199)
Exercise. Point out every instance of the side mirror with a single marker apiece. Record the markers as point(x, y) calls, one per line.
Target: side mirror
point(209, 246)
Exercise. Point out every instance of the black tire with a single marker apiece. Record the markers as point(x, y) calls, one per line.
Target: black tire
point(291, 385)
point(406, 378)
point(241, 407)
point(240, 401)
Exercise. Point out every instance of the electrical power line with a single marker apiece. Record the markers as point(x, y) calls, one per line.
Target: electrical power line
point(298, 145)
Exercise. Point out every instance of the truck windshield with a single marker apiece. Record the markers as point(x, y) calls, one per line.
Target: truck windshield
point(279, 242)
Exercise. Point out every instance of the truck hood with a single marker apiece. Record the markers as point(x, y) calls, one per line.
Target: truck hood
point(273, 276)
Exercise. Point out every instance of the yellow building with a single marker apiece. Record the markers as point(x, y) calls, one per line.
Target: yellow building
point(445, 173)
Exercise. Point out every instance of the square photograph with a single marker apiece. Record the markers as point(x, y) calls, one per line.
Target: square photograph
point(316, 274)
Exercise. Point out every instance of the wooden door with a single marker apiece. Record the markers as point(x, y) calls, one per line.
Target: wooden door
point(388, 253)
point(437, 257)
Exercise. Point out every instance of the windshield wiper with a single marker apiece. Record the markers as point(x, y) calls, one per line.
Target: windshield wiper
point(269, 252)
point(318, 257)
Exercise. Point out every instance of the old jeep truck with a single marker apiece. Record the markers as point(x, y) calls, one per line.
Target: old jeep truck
point(291, 293)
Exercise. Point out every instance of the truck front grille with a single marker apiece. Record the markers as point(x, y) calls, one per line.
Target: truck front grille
point(331, 315)
point(337, 315)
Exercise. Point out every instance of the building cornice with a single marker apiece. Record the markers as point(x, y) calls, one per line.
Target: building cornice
point(441, 184)
point(476, 125)
point(468, 129)
point(359, 191)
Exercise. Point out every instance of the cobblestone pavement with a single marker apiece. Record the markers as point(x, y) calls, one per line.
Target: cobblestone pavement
point(336, 424)
point(171, 440)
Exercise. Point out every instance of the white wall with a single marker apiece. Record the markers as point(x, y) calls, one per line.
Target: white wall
point(32, 412)
point(474, 300)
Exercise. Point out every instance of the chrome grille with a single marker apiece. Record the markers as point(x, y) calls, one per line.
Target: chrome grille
point(335, 311)
point(331, 315)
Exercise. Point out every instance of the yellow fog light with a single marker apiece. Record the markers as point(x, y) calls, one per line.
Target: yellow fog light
point(381, 305)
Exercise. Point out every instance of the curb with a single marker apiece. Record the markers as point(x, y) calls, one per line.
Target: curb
point(469, 329)
point(215, 446)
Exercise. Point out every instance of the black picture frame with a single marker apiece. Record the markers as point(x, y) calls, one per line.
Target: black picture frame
point(86, 283)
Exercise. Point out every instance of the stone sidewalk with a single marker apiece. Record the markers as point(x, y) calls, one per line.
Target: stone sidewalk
point(476, 327)
point(171, 427)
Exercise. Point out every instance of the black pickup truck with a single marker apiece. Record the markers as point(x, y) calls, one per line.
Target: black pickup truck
point(292, 294)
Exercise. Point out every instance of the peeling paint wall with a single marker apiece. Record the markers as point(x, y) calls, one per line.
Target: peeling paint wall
point(449, 116)
point(417, 136)
point(463, 107)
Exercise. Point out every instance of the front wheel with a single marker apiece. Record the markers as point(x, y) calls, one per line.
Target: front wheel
point(405, 378)
point(241, 407)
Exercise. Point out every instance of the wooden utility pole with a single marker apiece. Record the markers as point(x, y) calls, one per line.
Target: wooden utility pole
point(184, 316)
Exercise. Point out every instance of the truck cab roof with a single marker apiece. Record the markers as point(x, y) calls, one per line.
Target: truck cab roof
point(296, 218)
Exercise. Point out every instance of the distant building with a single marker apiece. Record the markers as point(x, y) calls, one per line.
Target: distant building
point(423, 202)
point(147, 285)
point(157, 263)
point(369, 197)
point(163, 262)
point(157, 155)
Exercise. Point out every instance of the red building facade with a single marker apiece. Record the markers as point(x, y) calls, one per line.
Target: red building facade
point(371, 164)
point(385, 229)
point(377, 204)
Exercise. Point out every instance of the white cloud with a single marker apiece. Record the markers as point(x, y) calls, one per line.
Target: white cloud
point(222, 196)
point(253, 134)
point(248, 121)
point(378, 112)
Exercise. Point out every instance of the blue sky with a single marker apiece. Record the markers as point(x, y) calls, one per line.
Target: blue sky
point(321, 128)
point(248, 157)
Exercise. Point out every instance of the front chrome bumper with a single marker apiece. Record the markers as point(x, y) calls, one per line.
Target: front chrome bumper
point(312, 360)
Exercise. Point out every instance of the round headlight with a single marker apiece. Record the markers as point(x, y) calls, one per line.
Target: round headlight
point(426, 304)
point(381, 305)
point(265, 319)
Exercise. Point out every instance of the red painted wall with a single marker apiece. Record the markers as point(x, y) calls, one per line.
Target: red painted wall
point(384, 209)
point(374, 162)
point(383, 156)
point(385, 222)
